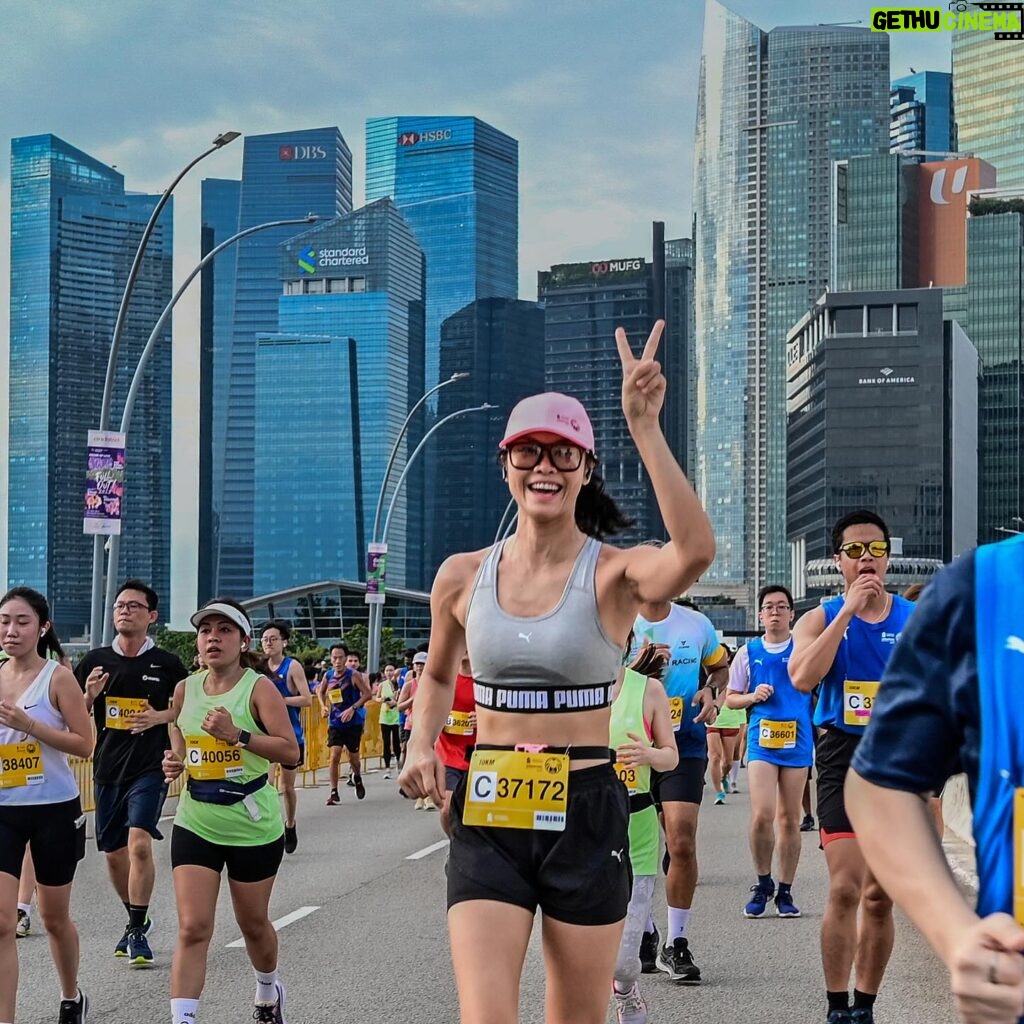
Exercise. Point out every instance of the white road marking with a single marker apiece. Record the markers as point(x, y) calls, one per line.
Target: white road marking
point(281, 922)
point(428, 850)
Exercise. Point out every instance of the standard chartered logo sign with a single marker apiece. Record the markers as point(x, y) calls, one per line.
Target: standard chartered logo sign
point(309, 258)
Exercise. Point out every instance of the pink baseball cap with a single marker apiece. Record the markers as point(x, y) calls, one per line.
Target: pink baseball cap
point(550, 413)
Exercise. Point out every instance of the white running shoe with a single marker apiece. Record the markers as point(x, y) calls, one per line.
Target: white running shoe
point(630, 1007)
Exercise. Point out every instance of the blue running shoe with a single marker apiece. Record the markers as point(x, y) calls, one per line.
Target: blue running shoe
point(785, 907)
point(139, 952)
point(759, 901)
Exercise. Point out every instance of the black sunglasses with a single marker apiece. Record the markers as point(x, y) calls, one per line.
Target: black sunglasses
point(528, 455)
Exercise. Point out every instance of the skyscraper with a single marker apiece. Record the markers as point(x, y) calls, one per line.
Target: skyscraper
point(219, 222)
point(74, 234)
point(995, 322)
point(988, 96)
point(456, 181)
point(583, 304)
point(921, 113)
point(332, 390)
point(774, 111)
point(500, 342)
point(681, 399)
point(284, 175)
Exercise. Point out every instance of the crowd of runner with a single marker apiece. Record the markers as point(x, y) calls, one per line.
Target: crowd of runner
point(564, 720)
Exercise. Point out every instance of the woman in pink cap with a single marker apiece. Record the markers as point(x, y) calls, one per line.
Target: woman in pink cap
point(541, 820)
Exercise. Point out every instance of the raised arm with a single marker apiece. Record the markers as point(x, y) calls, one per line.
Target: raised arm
point(660, 574)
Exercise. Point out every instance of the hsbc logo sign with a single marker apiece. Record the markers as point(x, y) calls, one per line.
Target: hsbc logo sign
point(414, 138)
point(301, 153)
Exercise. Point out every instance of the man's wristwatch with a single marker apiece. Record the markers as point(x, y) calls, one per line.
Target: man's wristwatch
point(243, 738)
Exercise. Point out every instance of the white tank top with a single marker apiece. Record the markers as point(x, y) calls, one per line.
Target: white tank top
point(58, 782)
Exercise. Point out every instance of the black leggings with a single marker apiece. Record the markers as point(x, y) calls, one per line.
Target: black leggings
point(392, 743)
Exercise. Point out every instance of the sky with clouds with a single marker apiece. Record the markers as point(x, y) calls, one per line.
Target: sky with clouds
point(600, 94)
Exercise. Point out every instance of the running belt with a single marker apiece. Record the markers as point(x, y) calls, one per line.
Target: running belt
point(574, 752)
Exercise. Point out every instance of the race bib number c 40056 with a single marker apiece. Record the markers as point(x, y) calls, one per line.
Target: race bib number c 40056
point(776, 735)
point(675, 710)
point(121, 710)
point(458, 724)
point(21, 764)
point(207, 757)
point(858, 700)
point(516, 789)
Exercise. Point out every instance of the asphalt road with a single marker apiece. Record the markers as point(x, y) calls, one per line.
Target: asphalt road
point(372, 946)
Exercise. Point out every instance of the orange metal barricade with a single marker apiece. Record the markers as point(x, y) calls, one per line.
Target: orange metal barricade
point(317, 754)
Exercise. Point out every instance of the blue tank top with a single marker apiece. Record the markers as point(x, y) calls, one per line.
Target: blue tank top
point(349, 695)
point(999, 584)
point(848, 690)
point(280, 680)
point(787, 704)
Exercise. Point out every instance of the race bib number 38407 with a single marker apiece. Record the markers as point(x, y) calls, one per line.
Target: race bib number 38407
point(515, 789)
point(20, 765)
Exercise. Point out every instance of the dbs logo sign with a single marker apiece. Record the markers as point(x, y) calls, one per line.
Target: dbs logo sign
point(939, 185)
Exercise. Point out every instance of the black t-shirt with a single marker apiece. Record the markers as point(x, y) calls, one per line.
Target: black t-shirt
point(120, 754)
point(926, 722)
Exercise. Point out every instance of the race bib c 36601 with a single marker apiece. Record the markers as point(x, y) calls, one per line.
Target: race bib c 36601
point(773, 735)
point(516, 789)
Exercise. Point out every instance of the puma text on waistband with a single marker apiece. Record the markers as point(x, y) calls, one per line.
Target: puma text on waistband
point(544, 698)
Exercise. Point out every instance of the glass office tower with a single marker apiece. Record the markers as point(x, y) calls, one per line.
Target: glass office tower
point(995, 313)
point(217, 302)
point(74, 234)
point(284, 175)
point(921, 113)
point(681, 399)
point(988, 96)
point(332, 389)
point(583, 304)
point(500, 342)
point(774, 111)
point(456, 181)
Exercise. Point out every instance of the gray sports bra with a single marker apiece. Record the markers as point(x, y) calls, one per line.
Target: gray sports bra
point(561, 661)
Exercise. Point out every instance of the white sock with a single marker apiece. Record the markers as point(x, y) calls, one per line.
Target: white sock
point(184, 1011)
point(677, 922)
point(76, 998)
point(27, 907)
point(266, 986)
point(734, 772)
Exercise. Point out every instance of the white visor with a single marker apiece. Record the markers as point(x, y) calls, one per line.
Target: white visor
point(232, 614)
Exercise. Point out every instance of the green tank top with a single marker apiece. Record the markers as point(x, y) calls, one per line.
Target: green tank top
point(388, 716)
point(628, 717)
point(730, 718)
point(231, 825)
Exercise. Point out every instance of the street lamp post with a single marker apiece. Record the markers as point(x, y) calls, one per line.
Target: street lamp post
point(140, 369)
point(373, 639)
point(502, 526)
point(96, 608)
point(373, 627)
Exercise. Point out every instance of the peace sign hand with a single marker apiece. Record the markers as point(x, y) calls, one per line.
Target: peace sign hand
point(643, 383)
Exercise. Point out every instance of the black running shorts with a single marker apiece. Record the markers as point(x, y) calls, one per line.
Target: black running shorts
point(55, 833)
point(348, 736)
point(833, 755)
point(243, 863)
point(580, 876)
point(684, 784)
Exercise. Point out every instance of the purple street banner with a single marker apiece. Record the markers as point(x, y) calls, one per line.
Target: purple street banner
point(104, 483)
point(376, 572)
